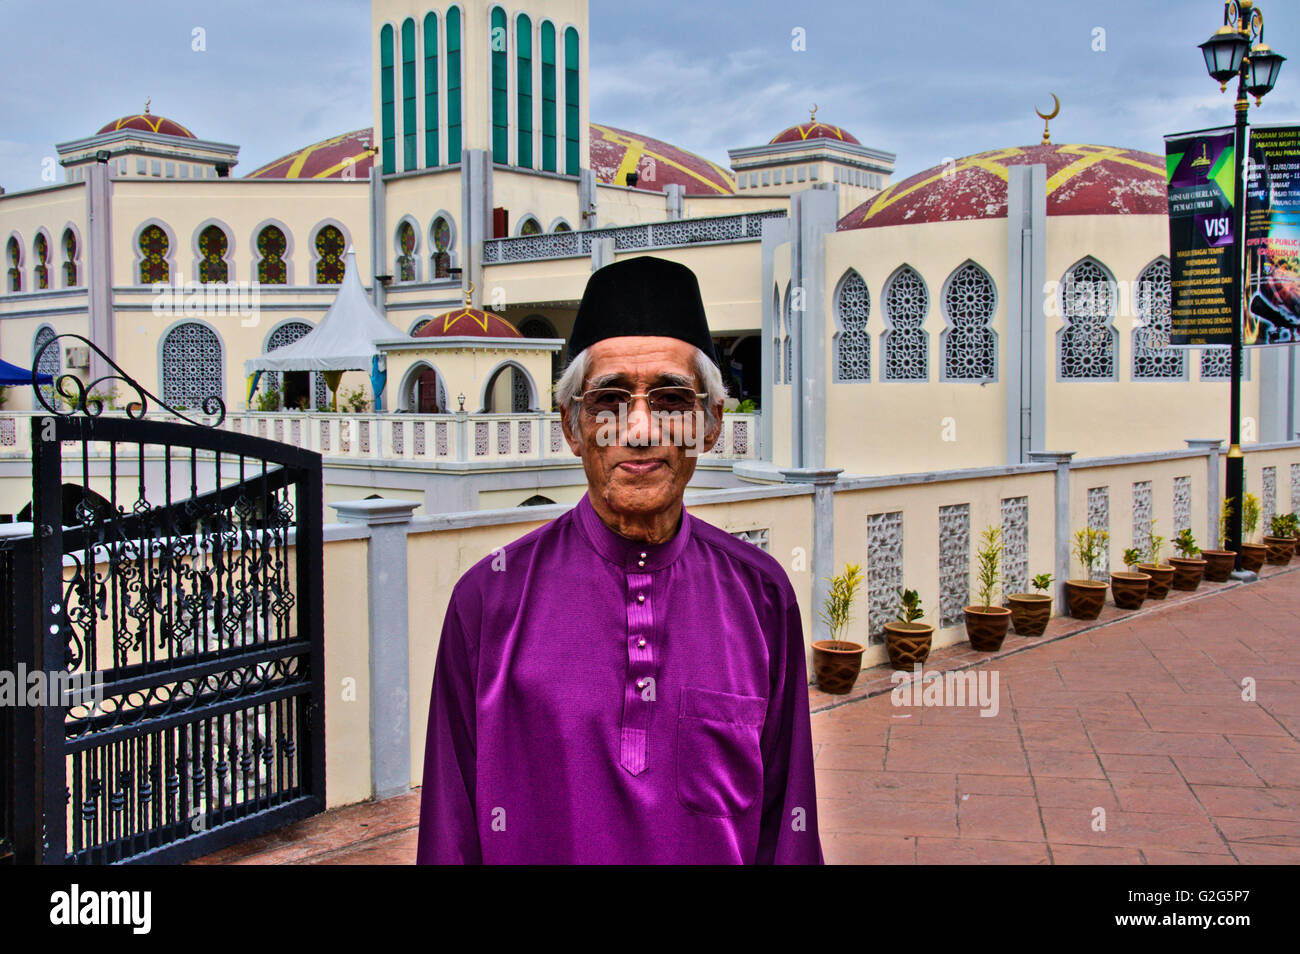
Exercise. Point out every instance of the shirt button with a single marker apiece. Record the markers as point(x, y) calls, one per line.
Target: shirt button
point(643, 554)
point(640, 683)
point(640, 597)
point(640, 562)
point(641, 644)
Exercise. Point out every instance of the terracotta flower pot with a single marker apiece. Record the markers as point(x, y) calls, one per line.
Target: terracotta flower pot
point(908, 644)
point(1253, 556)
point(1280, 550)
point(1030, 613)
point(836, 664)
point(1187, 572)
point(1219, 565)
point(1085, 598)
point(1129, 589)
point(986, 627)
point(1161, 577)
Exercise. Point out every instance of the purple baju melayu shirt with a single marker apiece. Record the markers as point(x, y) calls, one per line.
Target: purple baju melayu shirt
point(600, 700)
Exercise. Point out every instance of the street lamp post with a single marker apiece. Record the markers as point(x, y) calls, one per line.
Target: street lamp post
point(1237, 49)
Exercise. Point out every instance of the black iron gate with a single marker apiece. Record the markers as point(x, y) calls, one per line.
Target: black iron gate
point(176, 608)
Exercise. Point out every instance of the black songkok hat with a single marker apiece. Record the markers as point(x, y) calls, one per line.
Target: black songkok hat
point(642, 296)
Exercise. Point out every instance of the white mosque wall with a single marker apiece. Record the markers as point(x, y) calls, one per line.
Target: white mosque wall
point(547, 197)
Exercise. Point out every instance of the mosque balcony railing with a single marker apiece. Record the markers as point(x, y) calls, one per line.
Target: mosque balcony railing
point(675, 233)
point(453, 439)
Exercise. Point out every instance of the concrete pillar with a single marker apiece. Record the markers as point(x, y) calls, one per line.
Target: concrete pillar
point(812, 216)
point(1211, 449)
point(99, 266)
point(775, 232)
point(476, 216)
point(1273, 396)
point(1026, 349)
point(1061, 522)
point(389, 645)
point(586, 199)
point(602, 252)
point(676, 200)
point(378, 236)
point(822, 564)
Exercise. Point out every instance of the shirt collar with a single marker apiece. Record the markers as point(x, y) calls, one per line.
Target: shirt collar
point(634, 556)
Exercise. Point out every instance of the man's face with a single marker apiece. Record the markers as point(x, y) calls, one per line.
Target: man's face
point(644, 470)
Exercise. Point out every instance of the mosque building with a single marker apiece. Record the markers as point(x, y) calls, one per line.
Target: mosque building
point(1012, 301)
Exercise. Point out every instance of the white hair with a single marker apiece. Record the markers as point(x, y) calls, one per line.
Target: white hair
point(573, 381)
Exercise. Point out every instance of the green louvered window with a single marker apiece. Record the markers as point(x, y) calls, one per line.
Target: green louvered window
point(387, 101)
point(453, 85)
point(548, 97)
point(499, 43)
point(571, 101)
point(431, 89)
point(409, 158)
point(524, 83)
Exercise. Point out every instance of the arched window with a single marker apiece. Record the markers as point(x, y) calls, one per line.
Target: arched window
point(497, 43)
point(271, 266)
point(776, 334)
point(288, 333)
point(537, 500)
point(907, 346)
point(537, 326)
point(549, 91)
point(387, 101)
point(41, 252)
point(409, 158)
point(562, 226)
point(519, 395)
point(1153, 359)
point(441, 233)
point(154, 246)
point(1087, 343)
point(407, 261)
point(424, 391)
point(213, 245)
point(192, 365)
point(453, 85)
point(530, 226)
point(14, 253)
point(788, 359)
point(431, 89)
point(852, 342)
point(69, 258)
point(329, 252)
point(969, 345)
point(524, 85)
point(50, 362)
point(571, 101)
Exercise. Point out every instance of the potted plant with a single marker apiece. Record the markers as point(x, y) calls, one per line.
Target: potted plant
point(1162, 574)
point(1253, 555)
point(986, 624)
point(1188, 569)
point(1030, 612)
point(906, 641)
point(1130, 586)
point(1087, 596)
point(837, 662)
point(1280, 543)
point(1220, 563)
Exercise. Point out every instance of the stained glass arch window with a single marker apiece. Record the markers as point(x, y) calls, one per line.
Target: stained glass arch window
point(272, 256)
point(906, 343)
point(852, 341)
point(214, 247)
point(41, 263)
point(530, 226)
point(192, 365)
point(442, 239)
point(329, 245)
point(1087, 345)
point(406, 247)
point(1153, 359)
point(14, 261)
point(71, 254)
point(155, 246)
point(969, 344)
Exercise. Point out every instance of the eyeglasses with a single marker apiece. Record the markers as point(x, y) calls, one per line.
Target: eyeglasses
point(617, 400)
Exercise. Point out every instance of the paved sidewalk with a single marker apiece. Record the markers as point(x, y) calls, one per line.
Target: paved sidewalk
point(1125, 741)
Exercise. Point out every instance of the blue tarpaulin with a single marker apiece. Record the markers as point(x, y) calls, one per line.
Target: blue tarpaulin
point(12, 374)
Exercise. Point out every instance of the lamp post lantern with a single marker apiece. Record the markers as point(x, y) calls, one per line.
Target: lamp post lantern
point(1237, 49)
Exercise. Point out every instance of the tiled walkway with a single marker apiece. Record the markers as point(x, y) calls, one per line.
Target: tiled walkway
point(1124, 741)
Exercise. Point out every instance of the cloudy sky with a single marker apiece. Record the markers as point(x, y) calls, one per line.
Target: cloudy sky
point(952, 78)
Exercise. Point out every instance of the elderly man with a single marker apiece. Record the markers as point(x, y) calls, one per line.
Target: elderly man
point(625, 684)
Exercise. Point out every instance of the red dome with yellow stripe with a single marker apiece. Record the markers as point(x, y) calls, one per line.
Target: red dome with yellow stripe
point(347, 156)
point(472, 322)
point(616, 152)
point(1081, 180)
point(146, 122)
point(815, 129)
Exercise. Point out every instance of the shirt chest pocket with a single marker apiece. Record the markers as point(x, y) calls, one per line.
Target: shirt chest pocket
point(719, 762)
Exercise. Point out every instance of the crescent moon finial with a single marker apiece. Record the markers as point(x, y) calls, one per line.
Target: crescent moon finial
point(813, 118)
point(469, 294)
point(1048, 117)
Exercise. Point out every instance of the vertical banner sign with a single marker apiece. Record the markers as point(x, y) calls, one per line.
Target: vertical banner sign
point(1273, 237)
point(1203, 268)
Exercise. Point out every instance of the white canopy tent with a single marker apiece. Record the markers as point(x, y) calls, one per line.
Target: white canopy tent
point(344, 340)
